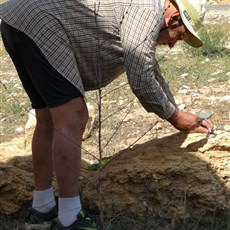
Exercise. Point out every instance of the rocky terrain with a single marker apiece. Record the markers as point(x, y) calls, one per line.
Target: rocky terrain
point(170, 173)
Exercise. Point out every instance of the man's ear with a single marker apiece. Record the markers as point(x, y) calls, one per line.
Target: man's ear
point(175, 17)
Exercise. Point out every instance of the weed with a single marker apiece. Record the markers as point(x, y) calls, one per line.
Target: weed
point(214, 39)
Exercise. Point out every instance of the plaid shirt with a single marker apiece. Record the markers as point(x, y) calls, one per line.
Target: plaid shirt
point(92, 42)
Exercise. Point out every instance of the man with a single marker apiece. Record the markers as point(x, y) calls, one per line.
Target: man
point(62, 48)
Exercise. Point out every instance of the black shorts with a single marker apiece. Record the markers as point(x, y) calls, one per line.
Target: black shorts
point(45, 86)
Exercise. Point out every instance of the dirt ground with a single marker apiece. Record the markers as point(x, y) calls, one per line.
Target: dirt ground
point(138, 126)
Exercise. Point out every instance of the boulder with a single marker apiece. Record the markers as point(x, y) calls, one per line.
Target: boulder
point(172, 176)
point(16, 188)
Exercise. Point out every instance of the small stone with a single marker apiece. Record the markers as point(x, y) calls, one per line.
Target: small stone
point(159, 126)
point(19, 130)
point(227, 128)
point(182, 107)
point(184, 75)
point(226, 98)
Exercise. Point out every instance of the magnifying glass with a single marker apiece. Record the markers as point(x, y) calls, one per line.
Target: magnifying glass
point(204, 114)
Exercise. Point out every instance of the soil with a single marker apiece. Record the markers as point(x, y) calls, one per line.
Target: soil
point(139, 126)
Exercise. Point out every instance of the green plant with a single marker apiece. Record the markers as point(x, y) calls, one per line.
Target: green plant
point(214, 39)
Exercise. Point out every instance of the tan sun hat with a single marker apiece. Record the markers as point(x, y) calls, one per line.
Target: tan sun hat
point(192, 14)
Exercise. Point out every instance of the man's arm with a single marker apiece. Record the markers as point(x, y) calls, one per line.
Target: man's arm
point(139, 31)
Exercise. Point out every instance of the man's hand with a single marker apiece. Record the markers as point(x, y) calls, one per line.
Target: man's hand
point(188, 122)
point(206, 126)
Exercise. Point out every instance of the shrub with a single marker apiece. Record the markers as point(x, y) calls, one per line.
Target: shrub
point(214, 39)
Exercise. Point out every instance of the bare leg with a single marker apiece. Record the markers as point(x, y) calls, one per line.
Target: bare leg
point(69, 123)
point(42, 150)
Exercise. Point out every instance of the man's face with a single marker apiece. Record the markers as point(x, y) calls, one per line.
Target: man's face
point(173, 33)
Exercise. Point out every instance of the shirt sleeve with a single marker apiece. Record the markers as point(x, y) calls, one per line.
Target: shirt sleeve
point(139, 29)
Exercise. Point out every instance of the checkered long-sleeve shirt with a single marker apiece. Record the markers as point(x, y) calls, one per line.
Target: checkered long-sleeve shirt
point(92, 42)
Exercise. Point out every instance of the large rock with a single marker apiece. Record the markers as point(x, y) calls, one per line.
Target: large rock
point(15, 188)
point(172, 176)
point(16, 177)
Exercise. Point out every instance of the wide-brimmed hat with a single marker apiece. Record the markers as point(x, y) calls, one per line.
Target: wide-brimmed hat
point(192, 14)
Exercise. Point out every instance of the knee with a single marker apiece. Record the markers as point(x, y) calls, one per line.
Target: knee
point(76, 120)
point(71, 117)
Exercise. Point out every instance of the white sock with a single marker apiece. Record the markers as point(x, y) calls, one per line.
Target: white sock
point(68, 208)
point(43, 201)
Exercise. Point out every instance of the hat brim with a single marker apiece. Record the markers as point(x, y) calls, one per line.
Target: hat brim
point(193, 40)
